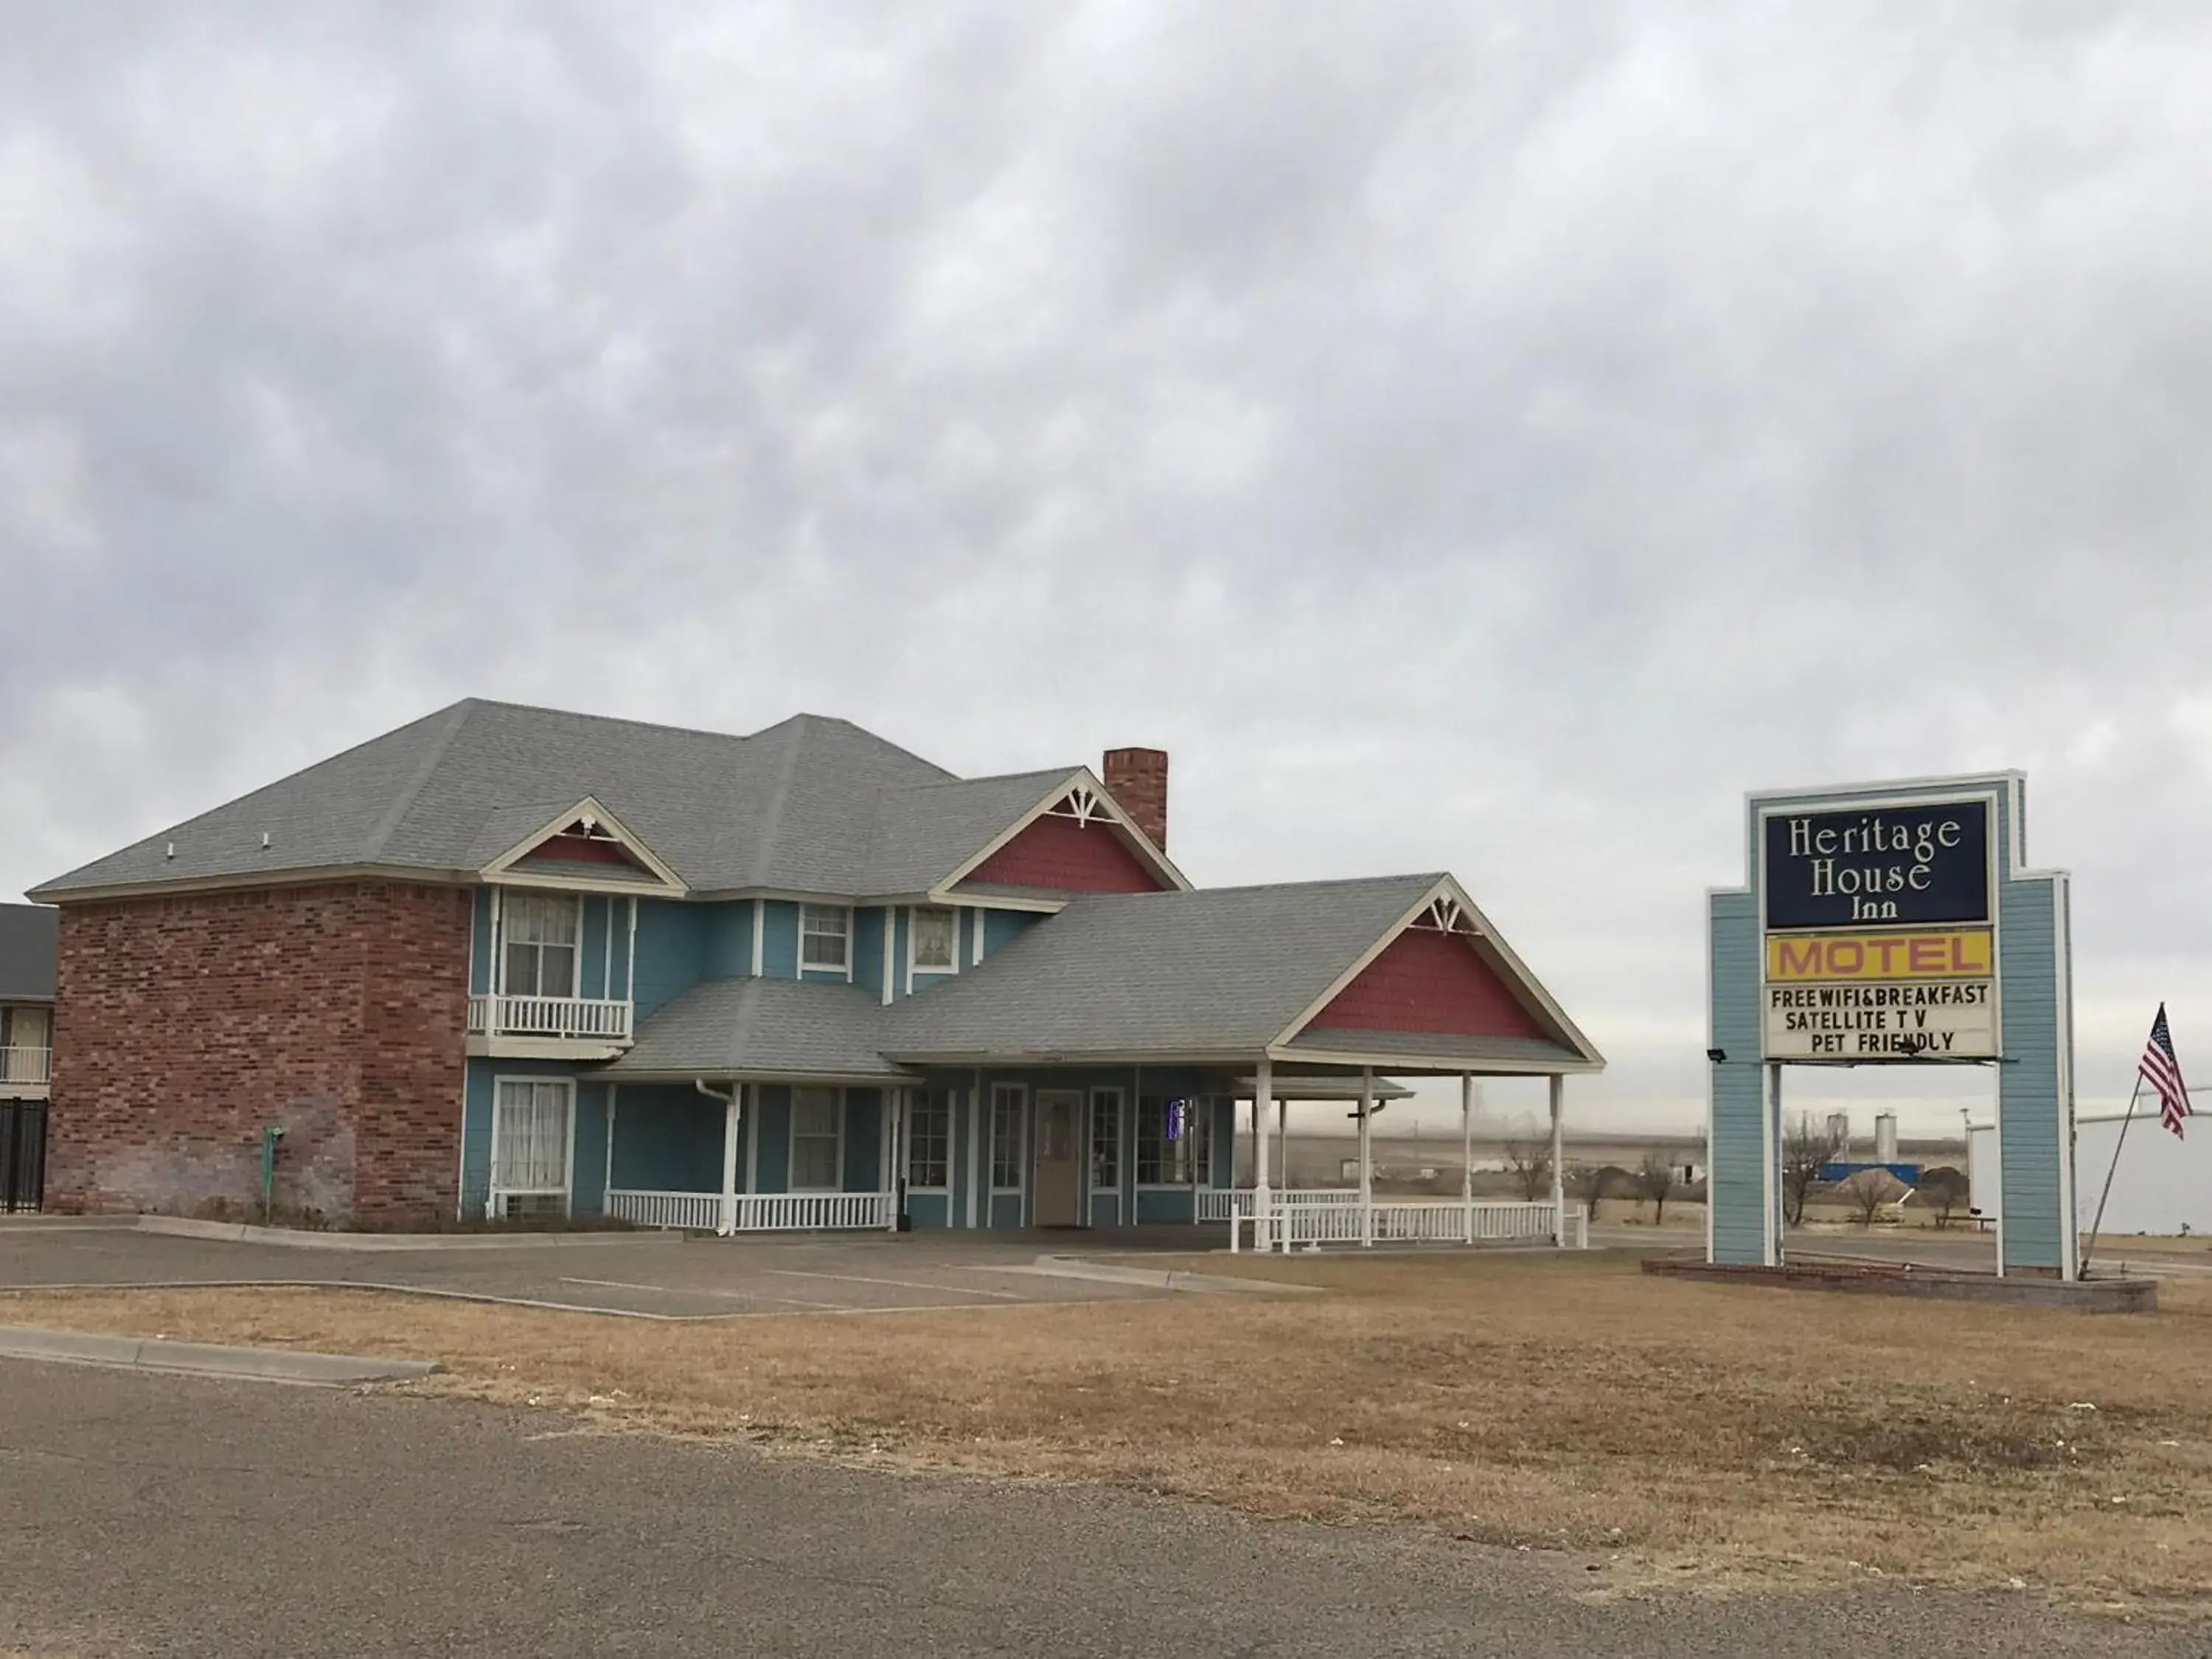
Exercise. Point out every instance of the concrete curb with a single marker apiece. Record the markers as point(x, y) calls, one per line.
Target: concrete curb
point(204, 1359)
point(297, 1238)
point(1161, 1279)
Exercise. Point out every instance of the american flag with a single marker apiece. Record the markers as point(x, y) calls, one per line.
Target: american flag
point(2163, 1073)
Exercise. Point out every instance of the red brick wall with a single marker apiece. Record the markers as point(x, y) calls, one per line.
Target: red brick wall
point(185, 1024)
point(1067, 857)
point(1137, 780)
point(1425, 980)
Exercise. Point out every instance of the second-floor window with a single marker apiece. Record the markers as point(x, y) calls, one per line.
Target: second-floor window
point(936, 940)
point(540, 932)
point(825, 937)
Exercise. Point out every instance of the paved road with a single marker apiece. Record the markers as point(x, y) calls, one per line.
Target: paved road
point(173, 1516)
point(671, 1275)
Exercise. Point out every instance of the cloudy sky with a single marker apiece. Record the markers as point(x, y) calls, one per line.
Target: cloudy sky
point(1491, 437)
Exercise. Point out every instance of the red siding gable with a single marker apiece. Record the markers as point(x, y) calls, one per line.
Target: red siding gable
point(1064, 856)
point(572, 847)
point(1425, 980)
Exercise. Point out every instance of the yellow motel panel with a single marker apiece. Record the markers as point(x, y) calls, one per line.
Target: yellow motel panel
point(1941, 953)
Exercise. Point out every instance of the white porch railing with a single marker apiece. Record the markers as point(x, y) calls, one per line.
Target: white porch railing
point(1223, 1203)
point(754, 1213)
point(29, 1065)
point(589, 1018)
point(697, 1212)
point(1294, 1220)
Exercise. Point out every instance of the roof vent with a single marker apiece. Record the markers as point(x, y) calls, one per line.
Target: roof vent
point(170, 851)
point(264, 841)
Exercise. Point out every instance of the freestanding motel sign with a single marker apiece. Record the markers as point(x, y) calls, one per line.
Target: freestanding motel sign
point(1892, 924)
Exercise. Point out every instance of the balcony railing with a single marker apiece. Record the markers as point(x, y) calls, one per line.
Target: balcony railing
point(588, 1019)
point(27, 1065)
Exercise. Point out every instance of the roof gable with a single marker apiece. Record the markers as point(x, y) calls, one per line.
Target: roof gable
point(583, 844)
point(1059, 853)
point(1432, 980)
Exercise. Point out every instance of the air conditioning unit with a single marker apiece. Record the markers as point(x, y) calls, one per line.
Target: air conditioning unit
point(528, 1207)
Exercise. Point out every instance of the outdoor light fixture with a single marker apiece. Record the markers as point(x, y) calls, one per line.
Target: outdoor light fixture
point(1718, 1056)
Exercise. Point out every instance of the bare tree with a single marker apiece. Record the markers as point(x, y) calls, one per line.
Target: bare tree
point(1586, 1183)
point(1867, 1192)
point(1943, 1190)
point(1806, 1151)
point(1531, 1164)
point(1656, 1178)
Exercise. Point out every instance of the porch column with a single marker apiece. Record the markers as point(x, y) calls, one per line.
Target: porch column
point(893, 1165)
point(1283, 1141)
point(1366, 1155)
point(1263, 1087)
point(1558, 1172)
point(1466, 1152)
point(730, 1160)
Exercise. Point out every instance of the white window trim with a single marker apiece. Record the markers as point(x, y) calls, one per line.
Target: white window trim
point(915, 1107)
point(806, 967)
point(1090, 1189)
point(914, 932)
point(494, 1192)
point(504, 914)
point(791, 1139)
point(1021, 1093)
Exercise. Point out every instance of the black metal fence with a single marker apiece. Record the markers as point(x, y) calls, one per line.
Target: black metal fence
point(23, 1154)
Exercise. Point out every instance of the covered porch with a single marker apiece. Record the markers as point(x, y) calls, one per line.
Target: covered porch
point(1267, 1216)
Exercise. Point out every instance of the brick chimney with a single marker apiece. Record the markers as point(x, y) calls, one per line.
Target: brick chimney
point(1138, 779)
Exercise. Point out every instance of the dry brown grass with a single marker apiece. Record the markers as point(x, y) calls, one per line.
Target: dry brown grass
point(1717, 1430)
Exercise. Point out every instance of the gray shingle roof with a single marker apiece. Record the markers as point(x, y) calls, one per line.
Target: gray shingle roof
point(811, 806)
point(28, 949)
point(779, 1027)
point(1177, 975)
point(1216, 970)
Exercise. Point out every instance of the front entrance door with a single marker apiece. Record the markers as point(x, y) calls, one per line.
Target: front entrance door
point(1059, 1189)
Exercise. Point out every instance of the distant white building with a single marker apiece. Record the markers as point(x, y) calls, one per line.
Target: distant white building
point(2161, 1186)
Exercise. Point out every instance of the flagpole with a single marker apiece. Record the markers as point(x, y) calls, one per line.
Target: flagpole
point(2096, 1224)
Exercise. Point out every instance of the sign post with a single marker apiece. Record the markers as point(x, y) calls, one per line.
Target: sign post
point(1894, 924)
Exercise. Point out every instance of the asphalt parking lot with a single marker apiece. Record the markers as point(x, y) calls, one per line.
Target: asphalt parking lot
point(664, 1276)
point(164, 1514)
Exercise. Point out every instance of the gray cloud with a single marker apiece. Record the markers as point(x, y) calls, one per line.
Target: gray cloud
point(1489, 437)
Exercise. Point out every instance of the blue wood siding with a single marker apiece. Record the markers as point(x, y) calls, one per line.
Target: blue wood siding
point(780, 941)
point(868, 949)
point(864, 1139)
point(672, 951)
point(1166, 1204)
point(668, 1138)
point(588, 1178)
point(774, 1146)
point(728, 943)
point(926, 1210)
point(1738, 1159)
point(901, 922)
point(480, 945)
point(2031, 1122)
point(1002, 927)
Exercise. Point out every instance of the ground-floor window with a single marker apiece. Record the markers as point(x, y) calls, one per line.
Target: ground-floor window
point(929, 1140)
point(1105, 1140)
point(1007, 1102)
point(531, 1120)
point(817, 1141)
point(1173, 1135)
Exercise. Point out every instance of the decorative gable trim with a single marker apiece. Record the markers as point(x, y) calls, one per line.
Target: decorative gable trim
point(598, 837)
point(1446, 909)
point(1081, 798)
